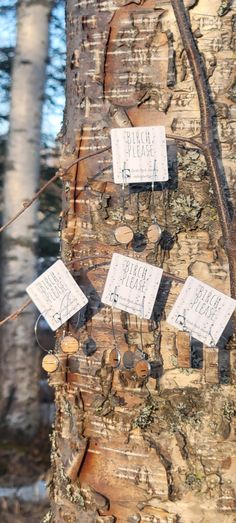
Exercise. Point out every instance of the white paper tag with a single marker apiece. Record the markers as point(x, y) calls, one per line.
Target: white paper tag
point(139, 154)
point(56, 295)
point(202, 310)
point(131, 285)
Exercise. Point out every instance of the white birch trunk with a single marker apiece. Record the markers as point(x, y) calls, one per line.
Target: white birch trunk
point(18, 352)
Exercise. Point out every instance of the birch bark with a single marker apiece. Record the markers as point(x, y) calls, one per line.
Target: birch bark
point(160, 450)
point(19, 356)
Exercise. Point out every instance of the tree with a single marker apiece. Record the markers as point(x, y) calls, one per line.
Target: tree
point(19, 359)
point(124, 448)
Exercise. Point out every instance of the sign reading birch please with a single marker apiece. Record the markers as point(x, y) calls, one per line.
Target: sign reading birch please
point(201, 310)
point(56, 295)
point(139, 154)
point(131, 285)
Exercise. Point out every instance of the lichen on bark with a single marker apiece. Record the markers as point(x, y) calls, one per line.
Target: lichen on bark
point(159, 449)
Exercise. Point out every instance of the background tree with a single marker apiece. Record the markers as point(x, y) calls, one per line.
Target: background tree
point(127, 449)
point(19, 359)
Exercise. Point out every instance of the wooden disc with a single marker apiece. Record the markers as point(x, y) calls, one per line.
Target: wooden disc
point(124, 234)
point(139, 242)
point(143, 369)
point(128, 359)
point(114, 358)
point(89, 347)
point(69, 344)
point(154, 233)
point(50, 363)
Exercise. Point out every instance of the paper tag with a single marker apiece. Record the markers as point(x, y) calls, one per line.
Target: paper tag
point(56, 295)
point(202, 310)
point(131, 285)
point(139, 154)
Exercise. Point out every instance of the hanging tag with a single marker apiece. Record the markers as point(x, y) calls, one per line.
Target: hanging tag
point(139, 154)
point(201, 310)
point(69, 344)
point(131, 285)
point(50, 363)
point(56, 294)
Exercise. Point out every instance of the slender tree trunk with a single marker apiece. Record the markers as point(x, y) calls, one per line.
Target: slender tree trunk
point(19, 356)
point(124, 449)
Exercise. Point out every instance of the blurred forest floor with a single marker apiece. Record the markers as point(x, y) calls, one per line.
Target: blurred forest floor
point(20, 512)
point(23, 464)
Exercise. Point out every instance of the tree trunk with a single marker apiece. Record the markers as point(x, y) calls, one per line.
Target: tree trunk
point(162, 449)
point(19, 355)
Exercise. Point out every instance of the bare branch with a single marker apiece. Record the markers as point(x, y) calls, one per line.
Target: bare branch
point(194, 142)
point(59, 174)
point(208, 137)
point(16, 313)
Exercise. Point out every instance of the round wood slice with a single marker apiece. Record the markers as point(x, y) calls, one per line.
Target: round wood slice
point(143, 369)
point(154, 233)
point(128, 359)
point(69, 344)
point(89, 347)
point(114, 358)
point(124, 234)
point(50, 363)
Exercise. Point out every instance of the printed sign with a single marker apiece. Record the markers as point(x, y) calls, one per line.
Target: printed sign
point(201, 310)
point(139, 154)
point(56, 295)
point(131, 285)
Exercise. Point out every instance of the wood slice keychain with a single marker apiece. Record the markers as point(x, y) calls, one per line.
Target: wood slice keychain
point(143, 369)
point(69, 345)
point(129, 359)
point(50, 363)
point(114, 358)
point(154, 233)
point(89, 346)
point(124, 234)
point(139, 241)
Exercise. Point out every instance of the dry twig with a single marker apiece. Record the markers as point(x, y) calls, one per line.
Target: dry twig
point(59, 174)
point(208, 137)
point(16, 313)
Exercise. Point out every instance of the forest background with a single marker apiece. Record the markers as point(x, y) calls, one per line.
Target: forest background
point(192, 93)
point(20, 467)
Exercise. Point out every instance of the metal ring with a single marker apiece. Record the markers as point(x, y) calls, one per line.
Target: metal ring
point(36, 325)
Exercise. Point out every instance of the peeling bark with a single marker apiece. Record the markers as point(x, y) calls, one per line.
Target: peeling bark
point(158, 450)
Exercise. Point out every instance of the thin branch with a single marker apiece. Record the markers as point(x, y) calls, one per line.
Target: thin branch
point(173, 277)
point(59, 174)
point(29, 203)
point(208, 137)
point(194, 142)
point(16, 313)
